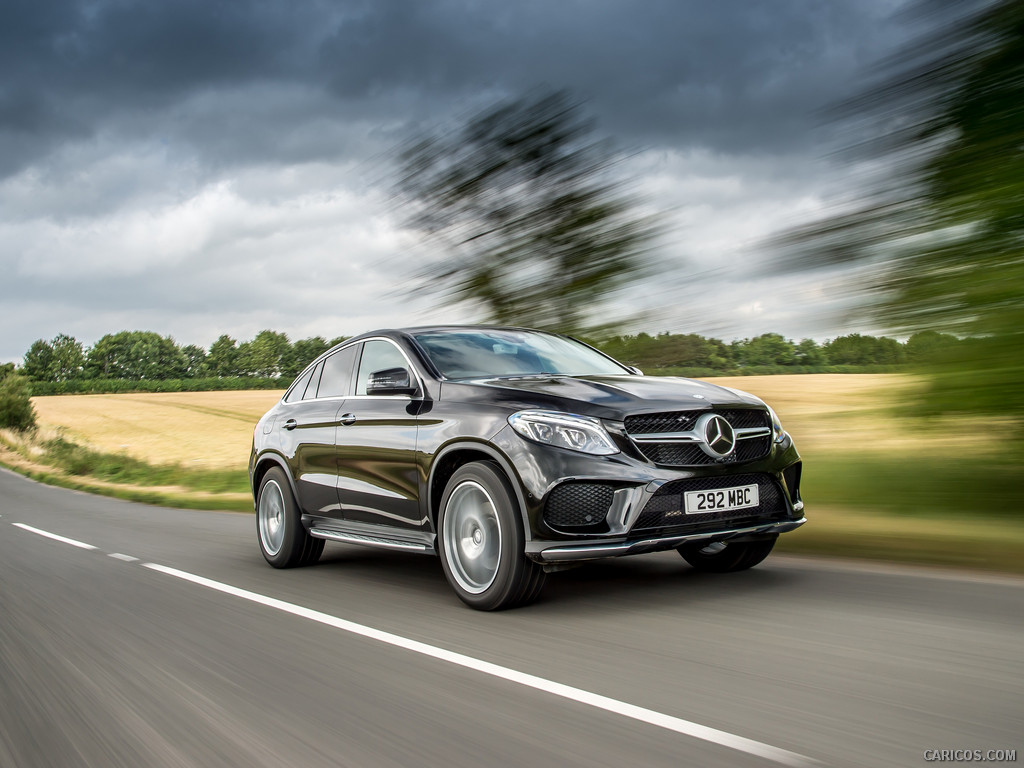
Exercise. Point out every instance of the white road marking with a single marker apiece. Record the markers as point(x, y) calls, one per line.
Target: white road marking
point(126, 558)
point(54, 536)
point(713, 735)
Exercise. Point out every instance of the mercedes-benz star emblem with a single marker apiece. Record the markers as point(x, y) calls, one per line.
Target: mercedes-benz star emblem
point(719, 437)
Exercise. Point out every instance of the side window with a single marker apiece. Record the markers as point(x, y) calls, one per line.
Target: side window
point(314, 382)
point(377, 356)
point(336, 379)
point(295, 394)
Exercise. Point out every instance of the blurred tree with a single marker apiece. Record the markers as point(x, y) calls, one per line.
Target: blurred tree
point(60, 359)
point(267, 355)
point(304, 351)
point(931, 346)
point(945, 228)
point(856, 349)
point(6, 369)
point(195, 361)
point(766, 349)
point(535, 227)
point(667, 350)
point(68, 356)
point(38, 361)
point(808, 352)
point(222, 359)
point(136, 355)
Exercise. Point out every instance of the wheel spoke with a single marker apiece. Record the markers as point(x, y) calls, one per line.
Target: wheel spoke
point(472, 537)
point(271, 517)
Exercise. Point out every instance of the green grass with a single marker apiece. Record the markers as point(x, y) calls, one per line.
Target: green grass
point(984, 544)
point(78, 460)
point(140, 495)
point(921, 487)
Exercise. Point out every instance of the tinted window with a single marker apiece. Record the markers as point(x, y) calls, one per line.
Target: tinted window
point(336, 379)
point(378, 356)
point(298, 388)
point(314, 382)
point(479, 353)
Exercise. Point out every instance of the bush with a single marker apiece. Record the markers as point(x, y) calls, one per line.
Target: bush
point(16, 411)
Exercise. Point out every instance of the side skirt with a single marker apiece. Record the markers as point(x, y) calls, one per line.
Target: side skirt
point(370, 535)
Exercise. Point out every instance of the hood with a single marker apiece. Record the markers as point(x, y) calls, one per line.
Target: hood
point(609, 397)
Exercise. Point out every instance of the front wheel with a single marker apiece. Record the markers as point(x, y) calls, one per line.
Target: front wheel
point(481, 541)
point(283, 540)
point(726, 556)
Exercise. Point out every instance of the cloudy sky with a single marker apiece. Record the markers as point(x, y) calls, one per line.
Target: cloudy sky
point(198, 167)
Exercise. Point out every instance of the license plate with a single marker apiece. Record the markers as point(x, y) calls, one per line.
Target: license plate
point(721, 499)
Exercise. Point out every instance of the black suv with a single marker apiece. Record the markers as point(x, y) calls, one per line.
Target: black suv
point(511, 453)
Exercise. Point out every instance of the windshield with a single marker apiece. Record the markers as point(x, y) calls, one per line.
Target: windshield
point(473, 354)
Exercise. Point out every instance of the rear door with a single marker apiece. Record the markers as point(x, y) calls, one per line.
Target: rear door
point(311, 424)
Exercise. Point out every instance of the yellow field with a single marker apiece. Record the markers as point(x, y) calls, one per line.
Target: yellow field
point(833, 418)
point(866, 414)
point(199, 429)
point(825, 413)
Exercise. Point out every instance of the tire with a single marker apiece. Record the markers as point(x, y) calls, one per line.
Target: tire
point(481, 541)
point(726, 557)
point(283, 540)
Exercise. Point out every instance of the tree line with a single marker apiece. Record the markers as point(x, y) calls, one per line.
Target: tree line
point(148, 356)
point(145, 356)
point(772, 350)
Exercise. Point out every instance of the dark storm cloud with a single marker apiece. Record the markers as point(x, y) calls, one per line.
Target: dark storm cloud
point(732, 76)
point(160, 161)
point(736, 76)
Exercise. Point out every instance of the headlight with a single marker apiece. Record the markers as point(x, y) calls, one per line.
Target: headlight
point(564, 430)
point(778, 433)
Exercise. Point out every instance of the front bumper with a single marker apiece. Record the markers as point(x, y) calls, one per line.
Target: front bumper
point(638, 486)
point(546, 552)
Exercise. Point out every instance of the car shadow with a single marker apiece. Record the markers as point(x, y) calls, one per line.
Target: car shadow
point(655, 580)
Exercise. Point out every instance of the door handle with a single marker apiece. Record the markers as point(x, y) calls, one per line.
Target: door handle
point(348, 418)
point(290, 424)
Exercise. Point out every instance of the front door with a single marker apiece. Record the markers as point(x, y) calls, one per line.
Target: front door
point(377, 475)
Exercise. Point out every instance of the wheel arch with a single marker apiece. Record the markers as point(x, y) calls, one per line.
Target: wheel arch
point(264, 464)
point(456, 455)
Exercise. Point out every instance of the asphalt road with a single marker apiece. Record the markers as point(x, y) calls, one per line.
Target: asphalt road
point(212, 658)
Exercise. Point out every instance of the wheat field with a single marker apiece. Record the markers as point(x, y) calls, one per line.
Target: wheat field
point(194, 429)
point(825, 413)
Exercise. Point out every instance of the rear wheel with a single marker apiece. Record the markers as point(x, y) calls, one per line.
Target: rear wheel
point(481, 541)
point(283, 540)
point(726, 556)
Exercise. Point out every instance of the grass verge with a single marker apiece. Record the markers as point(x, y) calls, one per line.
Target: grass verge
point(54, 460)
point(931, 487)
point(922, 510)
point(975, 543)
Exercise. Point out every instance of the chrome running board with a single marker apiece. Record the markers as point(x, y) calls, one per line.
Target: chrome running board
point(369, 541)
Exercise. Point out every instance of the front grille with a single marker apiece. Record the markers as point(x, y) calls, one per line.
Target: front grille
point(752, 448)
point(665, 510)
point(648, 423)
point(578, 505)
point(682, 421)
point(676, 454)
point(691, 454)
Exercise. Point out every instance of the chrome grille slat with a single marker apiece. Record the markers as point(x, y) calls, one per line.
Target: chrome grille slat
point(669, 438)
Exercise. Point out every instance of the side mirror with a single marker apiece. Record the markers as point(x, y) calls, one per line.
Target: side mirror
point(634, 370)
point(391, 381)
